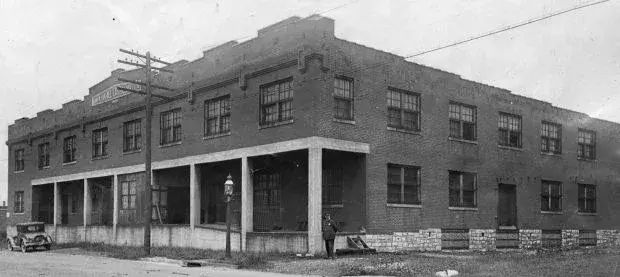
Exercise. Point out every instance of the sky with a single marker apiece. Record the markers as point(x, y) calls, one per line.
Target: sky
point(51, 52)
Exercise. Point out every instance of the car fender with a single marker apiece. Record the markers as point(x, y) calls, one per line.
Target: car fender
point(12, 241)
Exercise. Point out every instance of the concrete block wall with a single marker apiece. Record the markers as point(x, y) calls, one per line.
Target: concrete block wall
point(606, 238)
point(530, 239)
point(482, 239)
point(570, 239)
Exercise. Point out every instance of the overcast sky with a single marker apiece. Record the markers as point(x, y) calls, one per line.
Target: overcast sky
point(51, 52)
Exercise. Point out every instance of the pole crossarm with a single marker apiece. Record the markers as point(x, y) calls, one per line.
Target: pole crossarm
point(144, 84)
point(144, 57)
point(144, 93)
point(143, 66)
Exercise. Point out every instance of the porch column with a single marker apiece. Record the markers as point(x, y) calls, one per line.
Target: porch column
point(315, 180)
point(194, 195)
point(57, 216)
point(247, 204)
point(87, 203)
point(115, 204)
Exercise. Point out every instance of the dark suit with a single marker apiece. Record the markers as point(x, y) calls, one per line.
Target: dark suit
point(329, 235)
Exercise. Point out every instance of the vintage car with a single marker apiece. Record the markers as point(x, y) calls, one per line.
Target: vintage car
point(29, 236)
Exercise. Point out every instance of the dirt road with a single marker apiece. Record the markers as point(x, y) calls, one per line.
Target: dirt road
point(56, 263)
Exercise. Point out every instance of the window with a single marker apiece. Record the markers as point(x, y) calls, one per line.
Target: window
point(18, 206)
point(551, 138)
point(75, 203)
point(132, 135)
point(343, 98)
point(586, 144)
point(100, 143)
point(217, 116)
point(68, 150)
point(44, 155)
point(462, 189)
point(333, 180)
point(403, 184)
point(403, 109)
point(171, 131)
point(128, 192)
point(159, 212)
point(462, 121)
point(587, 198)
point(509, 130)
point(19, 160)
point(551, 196)
point(276, 102)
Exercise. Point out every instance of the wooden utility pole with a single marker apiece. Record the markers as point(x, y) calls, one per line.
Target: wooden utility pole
point(147, 212)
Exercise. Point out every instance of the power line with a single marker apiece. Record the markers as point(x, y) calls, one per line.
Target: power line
point(507, 28)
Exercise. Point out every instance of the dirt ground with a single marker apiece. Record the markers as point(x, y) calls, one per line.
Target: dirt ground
point(75, 262)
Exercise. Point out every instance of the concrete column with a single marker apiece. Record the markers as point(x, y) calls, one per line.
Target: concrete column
point(247, 201)
point(194, 195)
point(87, 204)
point(57, 215)
point(115, 204)
point(315, 180)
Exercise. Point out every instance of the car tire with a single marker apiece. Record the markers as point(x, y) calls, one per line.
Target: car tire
point(47, 247)
point(9, 245)
point(24, 248)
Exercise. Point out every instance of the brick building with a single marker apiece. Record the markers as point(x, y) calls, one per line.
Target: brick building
point(407, 156)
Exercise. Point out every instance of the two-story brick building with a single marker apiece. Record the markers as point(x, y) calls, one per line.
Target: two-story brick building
point(407, 156)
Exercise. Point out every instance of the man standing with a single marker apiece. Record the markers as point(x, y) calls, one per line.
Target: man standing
point(329, 235)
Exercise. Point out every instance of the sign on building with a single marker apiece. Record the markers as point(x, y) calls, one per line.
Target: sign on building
point(113, 93)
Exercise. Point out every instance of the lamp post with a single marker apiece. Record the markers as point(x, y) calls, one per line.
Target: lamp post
point(228, 192)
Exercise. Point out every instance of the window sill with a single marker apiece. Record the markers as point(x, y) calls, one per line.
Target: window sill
point(170, 144)
point(551, 154)
point(69, 163)
point(395, 205)
point(550, 212)
point(345, 121)
point(463, 140)
point(44, 168)
point(463, 209)
point(401, 130)
point(333, 206)
point(587, 214)
point(18, 171)
point(509, 148)
point(586, 160)
point(22, 213)
point(216, 136)
point(132, 152)
point(276, 124)
point(100, 158)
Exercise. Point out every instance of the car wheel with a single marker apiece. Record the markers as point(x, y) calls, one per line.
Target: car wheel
point(24, 248)
point(9, 245)
point(47, 247)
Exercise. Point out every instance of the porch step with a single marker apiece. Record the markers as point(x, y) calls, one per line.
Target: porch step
point(356, 245)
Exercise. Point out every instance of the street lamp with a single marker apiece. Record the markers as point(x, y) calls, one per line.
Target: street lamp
point(228, 192)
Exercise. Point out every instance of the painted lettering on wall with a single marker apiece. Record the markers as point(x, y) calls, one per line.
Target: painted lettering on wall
point(113, 93)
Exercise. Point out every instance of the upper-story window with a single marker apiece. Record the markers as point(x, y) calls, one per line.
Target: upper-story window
point(69, 148)
point(403, 185)
point(462, 121)
point(403, 109)
point(170, 123)
point(343, 98)
point(509, 130)
point(586, 144)
point(551, 196)
point(217, 116)
point(551, 138)
point(462, 189)
point(132, 135)
point(276, 102)
point(44, 155)
point(19, 159)
point(100, 143)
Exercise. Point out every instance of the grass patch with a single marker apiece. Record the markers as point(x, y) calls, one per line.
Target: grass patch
point(243, 260)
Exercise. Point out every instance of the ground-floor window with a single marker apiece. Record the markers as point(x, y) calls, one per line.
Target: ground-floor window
point(587, 198)
point(267, 198)
point(18, 206)
point(333, 180)
point(403, 184)
point(160, 204)
point(462, 187)
point(75, 203)
point(128, 193)
point(551, 196)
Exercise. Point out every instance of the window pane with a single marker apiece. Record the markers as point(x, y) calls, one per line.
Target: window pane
point(469, 131)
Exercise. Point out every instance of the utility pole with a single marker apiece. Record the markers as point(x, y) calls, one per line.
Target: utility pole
point(147, 213)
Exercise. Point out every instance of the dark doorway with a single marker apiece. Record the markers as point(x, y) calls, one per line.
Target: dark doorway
point(64, 203)
point(507, 206)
